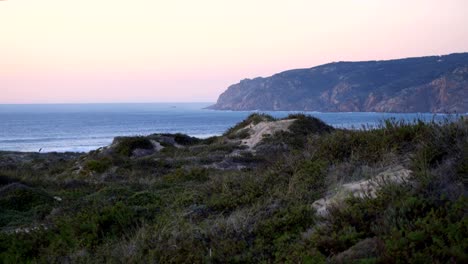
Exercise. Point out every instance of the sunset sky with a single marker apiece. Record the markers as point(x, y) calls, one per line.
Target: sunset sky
point(82, 51)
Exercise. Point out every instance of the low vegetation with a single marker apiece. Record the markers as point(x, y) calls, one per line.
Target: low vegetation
point(216, 201)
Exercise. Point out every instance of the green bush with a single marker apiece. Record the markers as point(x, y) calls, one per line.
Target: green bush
point(127, 145)
point(182, 175)
point(22, 247)
point(168, 208)
point(308, 182)
point(23, 198)
point(277, 232)
point(299, 132)
point(240, 134)
point(306, 125)
point(251, 119)
point(144, 198)
point(98, 166)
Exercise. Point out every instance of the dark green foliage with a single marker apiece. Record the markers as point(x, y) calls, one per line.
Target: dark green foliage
point(185, 140)
point(251, 119)
point(21, 204)
point(306, 125)
point(308, 182)
point(181, 175)
point(22, 198)
point(228, 193)
point(5, 180)
point(247, 157)
point(430, 233)
point(462, 168)
point(98, 166)
point(144, 198)
point(275, 234)
point(21, 248)
point(419, 223)
point(127, 145)
point(210, 140)
point(411, 228)
point(92, 226)
point(240, 134)
point(175, 206)
point(299, 132)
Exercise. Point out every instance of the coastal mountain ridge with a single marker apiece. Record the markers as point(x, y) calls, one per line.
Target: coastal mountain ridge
point(422, 84)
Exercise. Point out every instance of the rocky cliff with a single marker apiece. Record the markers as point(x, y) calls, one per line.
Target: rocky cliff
point(424, 84)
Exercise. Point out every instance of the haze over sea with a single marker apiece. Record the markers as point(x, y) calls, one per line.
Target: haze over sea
point(85, 127)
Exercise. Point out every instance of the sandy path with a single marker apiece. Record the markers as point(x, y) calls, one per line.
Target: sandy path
point(258, 131)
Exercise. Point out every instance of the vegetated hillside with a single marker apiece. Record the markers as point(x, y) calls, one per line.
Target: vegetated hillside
point(425, 84)
point(255, 194)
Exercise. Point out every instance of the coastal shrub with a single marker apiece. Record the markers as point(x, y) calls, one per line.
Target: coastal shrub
point(168, 208)
point(22, 247)
point(185, 140)
point(5, 180)
point(254, 119)
point(127, 145)
point(229, 191)
point(412, 230)
point(90, 227)
point(308, 182)
point(228, 147)
point(433, 235)
point(115, 220)
point(364, 147)
point(298, 134)
point(99, 165)
point(144, 198)
point(240, 134)
point(210, 140)
point(462, 168)
point(22, 198)
point(109, 194)
point(416, 222)
point(182, 175)
point(247, 157)
point(306, 125)
point(282, 228)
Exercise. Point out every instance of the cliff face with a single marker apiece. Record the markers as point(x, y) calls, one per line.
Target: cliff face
point(426, 84)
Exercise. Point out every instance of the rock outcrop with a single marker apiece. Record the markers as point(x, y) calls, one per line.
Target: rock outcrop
point(425, 84)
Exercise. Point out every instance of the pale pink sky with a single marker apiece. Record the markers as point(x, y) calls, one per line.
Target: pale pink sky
point(82, 51)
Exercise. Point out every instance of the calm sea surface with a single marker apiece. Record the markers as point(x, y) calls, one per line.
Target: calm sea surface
point(84, 127)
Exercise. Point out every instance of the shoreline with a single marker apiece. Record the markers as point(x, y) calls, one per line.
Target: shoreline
point(369, 125)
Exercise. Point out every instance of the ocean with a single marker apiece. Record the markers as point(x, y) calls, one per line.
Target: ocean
point(85, 127)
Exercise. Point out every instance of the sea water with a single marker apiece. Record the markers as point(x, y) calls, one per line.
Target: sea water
point(84, 127)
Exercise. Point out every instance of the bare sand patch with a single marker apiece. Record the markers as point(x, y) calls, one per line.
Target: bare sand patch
point(262, 129)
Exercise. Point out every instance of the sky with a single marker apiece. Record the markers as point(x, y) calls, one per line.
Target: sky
point(99, 51)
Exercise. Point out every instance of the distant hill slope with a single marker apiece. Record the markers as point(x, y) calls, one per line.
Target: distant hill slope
point(424, 84)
